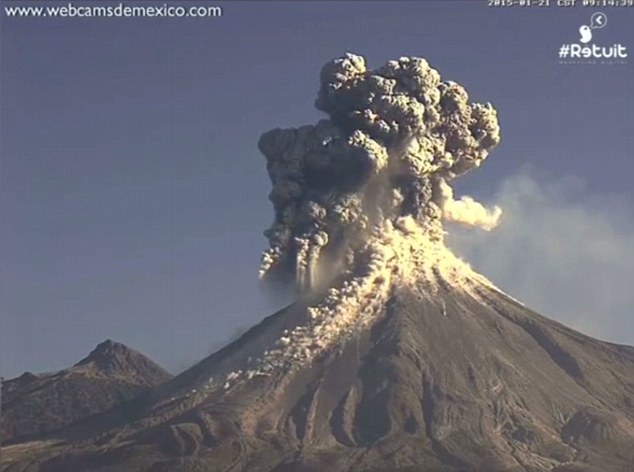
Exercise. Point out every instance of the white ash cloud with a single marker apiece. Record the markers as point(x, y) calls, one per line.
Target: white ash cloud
point(562, 249)
point(467, 211)
point(395, 139)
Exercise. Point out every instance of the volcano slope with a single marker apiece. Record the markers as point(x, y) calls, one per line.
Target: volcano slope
point(397, 356)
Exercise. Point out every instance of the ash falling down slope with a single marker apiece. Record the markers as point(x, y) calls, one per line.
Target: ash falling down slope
point(396, 356)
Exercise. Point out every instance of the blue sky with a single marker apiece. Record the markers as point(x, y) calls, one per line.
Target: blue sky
point(133, 196)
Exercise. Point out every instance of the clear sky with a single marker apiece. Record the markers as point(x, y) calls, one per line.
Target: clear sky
point(133, 196)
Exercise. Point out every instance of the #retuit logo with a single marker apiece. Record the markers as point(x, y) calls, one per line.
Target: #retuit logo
point(587, 51)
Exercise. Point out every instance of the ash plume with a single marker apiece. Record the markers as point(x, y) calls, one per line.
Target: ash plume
point(378, 169)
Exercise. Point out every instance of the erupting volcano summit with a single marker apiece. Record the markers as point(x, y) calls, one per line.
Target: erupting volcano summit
point(396, 356)
point(378, 169)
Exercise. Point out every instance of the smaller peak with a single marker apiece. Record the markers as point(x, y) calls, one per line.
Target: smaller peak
point(27, 377)
point(113, 358)
point(105, 351)
point(109, 344)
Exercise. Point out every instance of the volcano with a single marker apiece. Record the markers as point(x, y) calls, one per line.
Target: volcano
point(466, 379)
point(396, 356)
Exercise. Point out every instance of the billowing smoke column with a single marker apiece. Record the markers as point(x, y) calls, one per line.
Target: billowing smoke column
point(395, 139)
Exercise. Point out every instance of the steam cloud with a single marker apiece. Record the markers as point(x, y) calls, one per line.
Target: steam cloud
point(467, 210)
point(395, 139)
